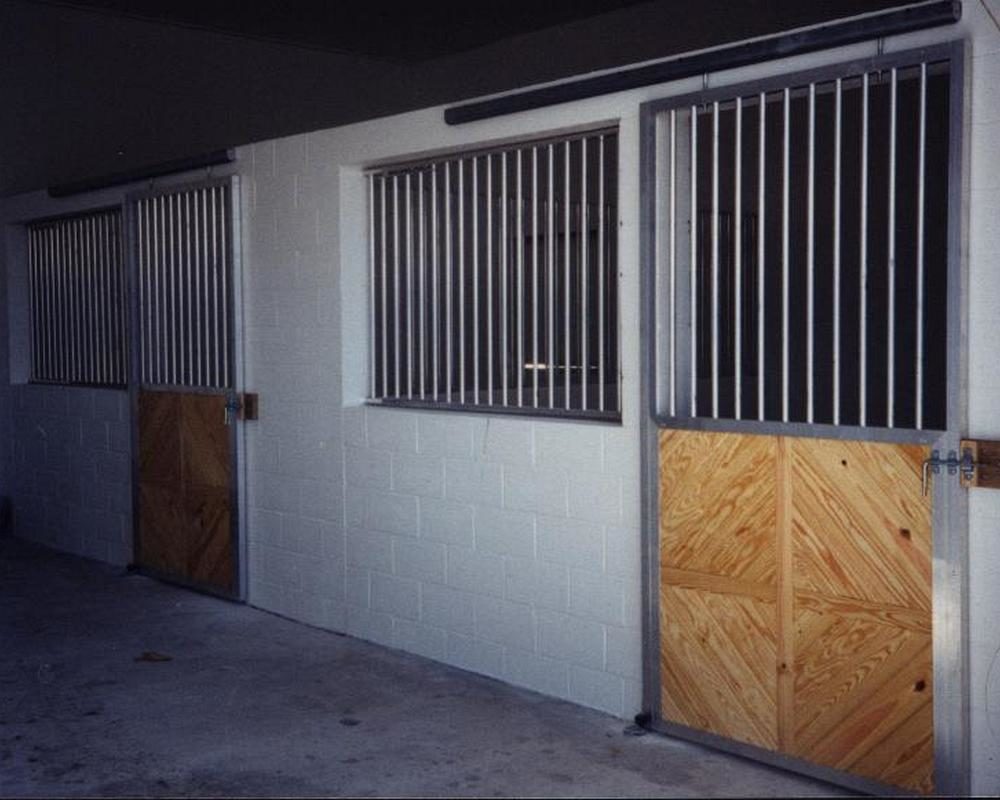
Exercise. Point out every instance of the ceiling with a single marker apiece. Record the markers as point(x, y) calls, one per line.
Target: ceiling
point(384, 29)
point(98, 87)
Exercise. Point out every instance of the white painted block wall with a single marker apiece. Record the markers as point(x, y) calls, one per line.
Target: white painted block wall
point(70, 469)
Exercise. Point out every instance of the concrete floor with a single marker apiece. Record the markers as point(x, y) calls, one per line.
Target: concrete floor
point(252, 704)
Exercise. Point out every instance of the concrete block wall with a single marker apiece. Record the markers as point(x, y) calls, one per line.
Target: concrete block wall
point(295, 486)
point(70, 468)
point(498, 545)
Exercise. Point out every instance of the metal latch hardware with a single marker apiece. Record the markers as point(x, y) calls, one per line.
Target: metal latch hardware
point(233, 406)
point(966, 465)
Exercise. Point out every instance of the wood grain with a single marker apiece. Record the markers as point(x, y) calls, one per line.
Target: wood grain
point(717, 504)
point(816, 641)
point(185, 518)
point(861, 526)
point(717, 664)
point(864, 698)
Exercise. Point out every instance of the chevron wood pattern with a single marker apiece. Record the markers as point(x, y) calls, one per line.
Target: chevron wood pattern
point(861, 526)
point(817, 642)
point(717, 501)
point(717, 664)
point(185, 519)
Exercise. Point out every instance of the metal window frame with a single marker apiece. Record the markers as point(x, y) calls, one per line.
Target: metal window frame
point(235, 325)
point(388, 172)
point(99, 210)
point(950, 502)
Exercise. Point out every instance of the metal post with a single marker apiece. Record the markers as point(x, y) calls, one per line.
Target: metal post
point(921, 190)
point(891, 332)
point(761, 212)
point(785, 253)
point(863, 260)
point(837, 177)
point(694, 261)
point(811, 261)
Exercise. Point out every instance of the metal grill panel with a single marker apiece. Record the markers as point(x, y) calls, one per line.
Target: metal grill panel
point(802, 232)
point(493, 279)
point(77, 296)
point(184, 257)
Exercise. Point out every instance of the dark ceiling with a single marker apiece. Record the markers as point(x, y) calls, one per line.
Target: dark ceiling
point(95, 87)
point(394, 31)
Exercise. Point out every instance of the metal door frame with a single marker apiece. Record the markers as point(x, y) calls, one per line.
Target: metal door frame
point(235, 323)
point(950, 501)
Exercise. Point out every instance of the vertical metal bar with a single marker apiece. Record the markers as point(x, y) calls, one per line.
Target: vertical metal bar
point(199, 285)
point(142, 237)
point(534, 274)
point(694, 261)
point(785, 253)
point(476, 357)
point(185, 199)
point(33, 294)
point(715, 260)
point(921, 190)
point(422, 269)
point(155, 348)
point(225, 232)
point(449, 326)
point(810, 260)
point(863, 260)
point(891, 332)
point(550, 271)
point(64, 303)
point(172, 308)
point(600, 268)
point(435, 280)
point(461, 279)
point(584, 295)
point(123, 303)
point(489, 277)
point(218, 269)
point(504, 270)
point(384, 290)
point(837, 177)
point(76, 294)
point(372, 312)
point(395, 286)
point(409, 287)
point(761, 210)
point(72, 280)
point(194, 243)
point(89, 304)
point(519, 332)
point(566, 289)
point(738, 262)
point(209, 278)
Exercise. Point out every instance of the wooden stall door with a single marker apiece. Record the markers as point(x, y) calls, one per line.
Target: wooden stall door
point(795, 599)
point(185, 489)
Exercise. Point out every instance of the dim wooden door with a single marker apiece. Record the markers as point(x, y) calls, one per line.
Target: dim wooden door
point(185, 489)
point(795, 599)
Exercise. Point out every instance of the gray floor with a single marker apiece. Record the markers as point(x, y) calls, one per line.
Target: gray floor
point(252, 704)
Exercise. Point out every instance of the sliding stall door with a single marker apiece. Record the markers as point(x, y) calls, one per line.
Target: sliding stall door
point(803, 314)
point(186, 489)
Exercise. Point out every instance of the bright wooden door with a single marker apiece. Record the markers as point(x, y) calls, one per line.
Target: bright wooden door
point(185, 489)
point(795, 599)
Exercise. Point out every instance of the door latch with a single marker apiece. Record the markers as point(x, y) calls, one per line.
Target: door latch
point(233, 406)
point(966, 465)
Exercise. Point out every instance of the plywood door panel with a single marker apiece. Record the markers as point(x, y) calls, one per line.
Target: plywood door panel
point(185, 515)
point(717, 664)
point(861, 526)
point(717, 496)
point(829, 619)
point(718, 601)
